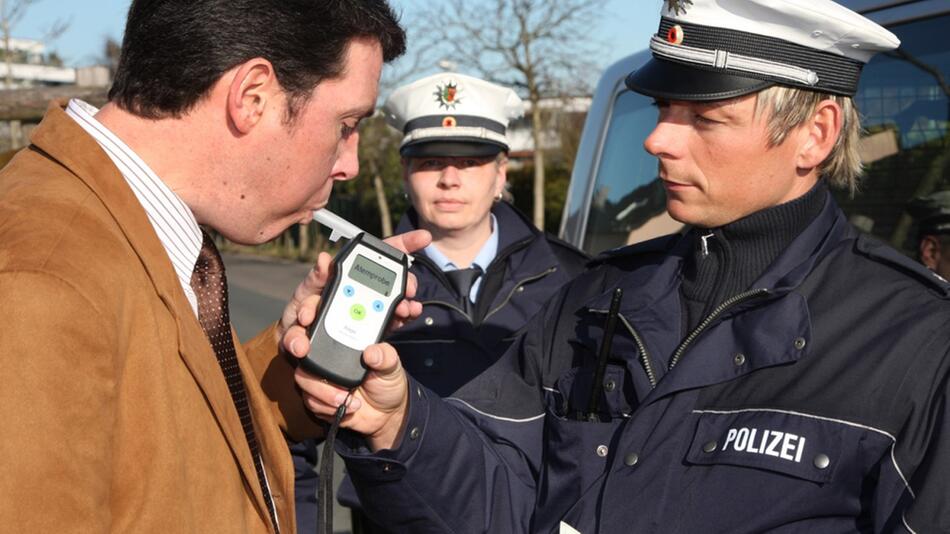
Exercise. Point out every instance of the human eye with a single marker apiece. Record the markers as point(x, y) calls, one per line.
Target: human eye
point(346, 130)
point(704, 120)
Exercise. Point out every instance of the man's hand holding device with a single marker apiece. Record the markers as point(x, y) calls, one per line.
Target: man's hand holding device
point(372, 271)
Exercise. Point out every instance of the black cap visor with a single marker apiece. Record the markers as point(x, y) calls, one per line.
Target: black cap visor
point(669, 80)
point(456, 148)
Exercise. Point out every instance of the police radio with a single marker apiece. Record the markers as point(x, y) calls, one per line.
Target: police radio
point(367, 281)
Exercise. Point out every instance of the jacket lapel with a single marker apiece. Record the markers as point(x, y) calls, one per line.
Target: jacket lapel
point(66, 142)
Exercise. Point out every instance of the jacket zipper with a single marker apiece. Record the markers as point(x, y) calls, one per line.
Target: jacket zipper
point(737, 299)
point(514, 289)
point(642, 348)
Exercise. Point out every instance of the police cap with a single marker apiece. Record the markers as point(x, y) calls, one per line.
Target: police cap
point(451, 114)
point(932, 213)
point(717, 49)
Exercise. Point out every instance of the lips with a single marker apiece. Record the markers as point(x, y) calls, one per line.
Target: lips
point(676, 186)
point(449, 203)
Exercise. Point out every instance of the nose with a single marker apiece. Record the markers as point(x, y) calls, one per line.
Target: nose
point(668, 134)
point(660, 141)
point(347, 164)
point(449, 176)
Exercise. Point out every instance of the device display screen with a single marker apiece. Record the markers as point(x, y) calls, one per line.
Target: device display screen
point(372, 275)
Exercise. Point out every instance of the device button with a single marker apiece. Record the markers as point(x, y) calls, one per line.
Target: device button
point(357, 312)
point(348, 291)
point(378, 305)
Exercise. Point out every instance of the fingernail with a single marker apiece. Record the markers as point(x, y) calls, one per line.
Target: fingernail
point(295, 347)
point(339, 399)
point(355, 404)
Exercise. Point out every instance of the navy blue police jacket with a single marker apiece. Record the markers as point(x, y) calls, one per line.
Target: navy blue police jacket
point(446, 347)
point(814, 402)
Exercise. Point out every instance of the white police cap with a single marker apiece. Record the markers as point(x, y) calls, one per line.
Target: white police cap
point(716, 49)
point(451, 114)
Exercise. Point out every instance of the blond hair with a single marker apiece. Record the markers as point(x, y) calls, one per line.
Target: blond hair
point(790, 107)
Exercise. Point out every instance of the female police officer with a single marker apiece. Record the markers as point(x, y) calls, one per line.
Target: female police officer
point(488, 270)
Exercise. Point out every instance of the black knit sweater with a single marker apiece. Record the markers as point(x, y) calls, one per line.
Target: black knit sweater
point(725, 261)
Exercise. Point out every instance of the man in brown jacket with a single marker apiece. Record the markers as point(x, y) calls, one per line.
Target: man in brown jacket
point(235, 115)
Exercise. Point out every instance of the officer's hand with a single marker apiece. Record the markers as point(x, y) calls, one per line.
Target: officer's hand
point(378, 406)
point(302, 309)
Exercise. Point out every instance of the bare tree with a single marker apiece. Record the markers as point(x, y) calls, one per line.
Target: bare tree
point(11, 13)
point(543, 48)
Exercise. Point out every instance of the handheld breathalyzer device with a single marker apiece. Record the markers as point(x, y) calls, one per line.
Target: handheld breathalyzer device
point(367, 282)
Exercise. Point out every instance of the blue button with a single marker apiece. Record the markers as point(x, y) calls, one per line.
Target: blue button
point(348, 291)
point(378, 305)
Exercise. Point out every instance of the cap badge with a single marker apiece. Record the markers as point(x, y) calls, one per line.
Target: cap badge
point(447, 95)
point(678, 6)
point(449, 122)
point(675, 35)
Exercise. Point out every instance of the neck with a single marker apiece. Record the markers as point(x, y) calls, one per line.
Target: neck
point(461, 246)
point(727, 260)
point(170, 148)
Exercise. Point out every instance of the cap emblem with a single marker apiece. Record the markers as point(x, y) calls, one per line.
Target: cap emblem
point(678, 6)
point(675, 35)
point(449, 122)
point(447, 95)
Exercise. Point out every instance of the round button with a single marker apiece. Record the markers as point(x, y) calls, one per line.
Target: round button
point(429, 321)
point(710, 446)
point(428, 362)
point(602, 450)
point(414, 433)
point(387, 467)
point(800, 343)
point(631, 459)
point(739, 359)
point(419, 392)
point(349, 291)
point(520, 289)
point(377, 306)
point(357, 312)
point(822, 461)
point(610, 385)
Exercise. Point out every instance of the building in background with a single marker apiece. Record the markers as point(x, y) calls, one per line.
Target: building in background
point(30, 77)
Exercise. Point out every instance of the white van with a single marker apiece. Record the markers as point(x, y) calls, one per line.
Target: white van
point(904, 97)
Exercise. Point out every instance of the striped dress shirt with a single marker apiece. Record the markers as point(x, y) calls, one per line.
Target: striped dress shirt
point(173, 221)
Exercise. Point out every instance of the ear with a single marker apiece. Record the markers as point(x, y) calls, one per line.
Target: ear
point(405, 163)
point(501, 178)
point(930, 252)
point(253, 88)
point(820, 134)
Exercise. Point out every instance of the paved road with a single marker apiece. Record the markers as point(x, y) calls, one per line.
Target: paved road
point(259, 288)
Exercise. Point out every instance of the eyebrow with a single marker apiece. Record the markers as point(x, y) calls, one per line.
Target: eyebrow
point(360, 112)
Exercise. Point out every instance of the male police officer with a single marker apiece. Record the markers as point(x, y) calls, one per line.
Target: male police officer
point(771, 370)
point(932, 213)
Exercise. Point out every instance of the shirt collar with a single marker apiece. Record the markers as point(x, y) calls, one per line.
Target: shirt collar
point(483, 259)
point(173, 221)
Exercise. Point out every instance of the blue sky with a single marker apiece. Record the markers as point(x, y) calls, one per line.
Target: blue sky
point(624, 27)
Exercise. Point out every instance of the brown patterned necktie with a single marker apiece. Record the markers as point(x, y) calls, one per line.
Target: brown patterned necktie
point(211, 288)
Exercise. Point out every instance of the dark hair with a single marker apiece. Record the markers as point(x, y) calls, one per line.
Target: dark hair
point(173, 51)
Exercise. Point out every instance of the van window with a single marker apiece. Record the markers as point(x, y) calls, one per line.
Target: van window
point(627, 195)
point(903, 99)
